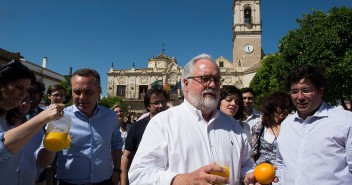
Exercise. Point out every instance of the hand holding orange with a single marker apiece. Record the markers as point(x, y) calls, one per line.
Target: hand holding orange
point(264, 173)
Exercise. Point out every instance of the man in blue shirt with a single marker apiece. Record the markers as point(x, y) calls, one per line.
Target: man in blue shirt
point(95, 152)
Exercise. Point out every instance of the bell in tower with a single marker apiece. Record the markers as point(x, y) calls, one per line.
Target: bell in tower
point(247, 16)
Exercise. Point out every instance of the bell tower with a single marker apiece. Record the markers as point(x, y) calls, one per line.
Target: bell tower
point(247, 33)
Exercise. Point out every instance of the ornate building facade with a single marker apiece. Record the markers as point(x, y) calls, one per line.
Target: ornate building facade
point(163, 70)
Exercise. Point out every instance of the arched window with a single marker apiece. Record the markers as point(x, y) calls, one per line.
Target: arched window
point(247, 15)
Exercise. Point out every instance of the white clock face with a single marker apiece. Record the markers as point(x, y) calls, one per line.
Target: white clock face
point(248, 48)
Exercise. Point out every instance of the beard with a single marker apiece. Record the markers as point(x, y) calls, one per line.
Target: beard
point(206, 104)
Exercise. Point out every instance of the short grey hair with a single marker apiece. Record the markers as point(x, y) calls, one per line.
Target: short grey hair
point(188, 69)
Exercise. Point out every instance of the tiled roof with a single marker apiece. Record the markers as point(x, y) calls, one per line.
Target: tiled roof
point(8, 56)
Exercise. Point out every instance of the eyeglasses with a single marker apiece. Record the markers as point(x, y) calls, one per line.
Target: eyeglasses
point(208, 79)
point(27, 100)
point(162, 102)
point(304, 91)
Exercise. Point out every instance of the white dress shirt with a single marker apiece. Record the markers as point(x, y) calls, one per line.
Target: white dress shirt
point(179, 140)
point(253, 119)
point(247, 130)
point(123, 137)
point(317, 150)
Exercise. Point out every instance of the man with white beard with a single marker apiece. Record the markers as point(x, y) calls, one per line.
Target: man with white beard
point(181, 145)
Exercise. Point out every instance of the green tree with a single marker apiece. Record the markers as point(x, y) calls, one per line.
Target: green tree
point(68, 90)
point(111, 101)
point(323, 38)
point(270, 76)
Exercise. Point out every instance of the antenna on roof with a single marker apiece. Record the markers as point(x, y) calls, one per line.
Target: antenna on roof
point(163, 47)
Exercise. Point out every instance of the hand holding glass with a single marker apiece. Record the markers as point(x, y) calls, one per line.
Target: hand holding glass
point(226, 173)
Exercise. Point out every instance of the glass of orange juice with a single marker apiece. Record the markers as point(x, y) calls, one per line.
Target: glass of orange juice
point(56, 137)
point(226, 165)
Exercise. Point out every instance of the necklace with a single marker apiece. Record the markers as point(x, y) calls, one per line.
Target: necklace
point(273, 132)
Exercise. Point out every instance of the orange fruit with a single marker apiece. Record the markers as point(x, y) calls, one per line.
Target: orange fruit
point(264, 173)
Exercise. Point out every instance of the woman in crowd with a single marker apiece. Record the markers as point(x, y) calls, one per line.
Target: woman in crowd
point(274, 108)
point(231, 103)
point(122, 124)
point(28, 170)
point(131, 118)
point(15, 80)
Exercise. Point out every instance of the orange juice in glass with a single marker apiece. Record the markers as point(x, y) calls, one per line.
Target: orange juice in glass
point(56, 137)
point(226, 166)
point(55, 141)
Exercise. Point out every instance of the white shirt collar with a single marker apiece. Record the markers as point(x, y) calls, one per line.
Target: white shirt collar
point(198, 113)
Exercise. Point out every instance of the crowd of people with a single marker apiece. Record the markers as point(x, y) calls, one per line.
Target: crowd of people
point(307, 140)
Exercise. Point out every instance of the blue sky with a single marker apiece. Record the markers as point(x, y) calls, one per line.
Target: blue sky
point(97, 33)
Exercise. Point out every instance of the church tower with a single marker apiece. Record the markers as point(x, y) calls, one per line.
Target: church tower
point(247, 34)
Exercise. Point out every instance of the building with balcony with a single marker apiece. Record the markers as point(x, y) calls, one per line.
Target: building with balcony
point(163, 70)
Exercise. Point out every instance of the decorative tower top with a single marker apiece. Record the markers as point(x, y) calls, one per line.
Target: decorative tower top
point(247, 33)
